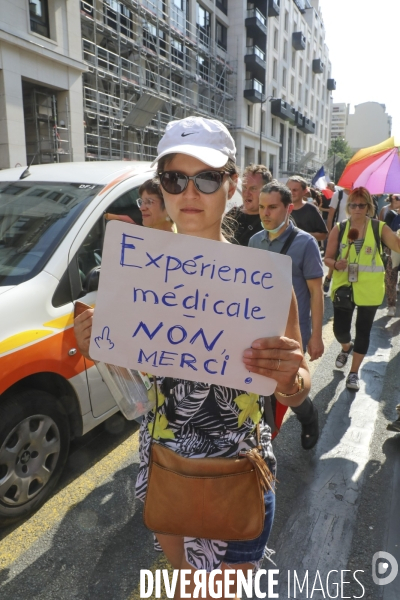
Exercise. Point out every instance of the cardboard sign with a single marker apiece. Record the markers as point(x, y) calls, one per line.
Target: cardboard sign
point(186, 307)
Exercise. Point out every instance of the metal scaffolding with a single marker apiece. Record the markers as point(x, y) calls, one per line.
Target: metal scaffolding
point(149, 47)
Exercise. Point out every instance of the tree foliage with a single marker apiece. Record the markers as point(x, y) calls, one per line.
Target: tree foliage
point(343, 153)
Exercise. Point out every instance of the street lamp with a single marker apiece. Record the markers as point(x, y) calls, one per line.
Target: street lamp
point(270, 98)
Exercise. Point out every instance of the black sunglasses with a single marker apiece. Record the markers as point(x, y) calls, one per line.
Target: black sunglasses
point(355, 205)
point(206, 182)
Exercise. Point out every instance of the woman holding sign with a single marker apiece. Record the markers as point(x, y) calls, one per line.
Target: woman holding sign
point(196, 420)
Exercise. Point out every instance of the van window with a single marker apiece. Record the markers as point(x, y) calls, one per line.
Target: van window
point(34, 219)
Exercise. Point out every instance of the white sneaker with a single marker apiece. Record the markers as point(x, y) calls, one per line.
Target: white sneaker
point(391, 311)
point(353, 382)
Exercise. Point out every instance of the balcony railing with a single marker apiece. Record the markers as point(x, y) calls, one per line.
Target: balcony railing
point(254, 12)
point(257, 51)
point(254, 84)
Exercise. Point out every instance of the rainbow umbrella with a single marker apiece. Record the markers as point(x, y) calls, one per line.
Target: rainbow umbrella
point(376, 168)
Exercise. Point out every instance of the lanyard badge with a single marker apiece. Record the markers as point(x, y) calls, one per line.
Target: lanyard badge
point(353, 273)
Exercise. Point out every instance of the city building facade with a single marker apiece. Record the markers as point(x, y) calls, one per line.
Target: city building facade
point(41, 97)
point(100, 79)
point(369, 125)
point(284, 118)
point(340, 115)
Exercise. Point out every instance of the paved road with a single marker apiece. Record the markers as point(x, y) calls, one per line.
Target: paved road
point(336, 505)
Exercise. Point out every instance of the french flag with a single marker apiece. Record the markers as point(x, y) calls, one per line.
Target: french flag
point(320, 180)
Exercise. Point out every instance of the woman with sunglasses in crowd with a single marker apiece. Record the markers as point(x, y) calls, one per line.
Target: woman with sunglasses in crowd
point(151, 205)
point(357, 266)
point(198, 175)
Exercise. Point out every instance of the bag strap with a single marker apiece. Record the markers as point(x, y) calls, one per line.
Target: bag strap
point(342, 227)
point(155, 414)
point(377, 234)
point(289, 241)
point(336, 213)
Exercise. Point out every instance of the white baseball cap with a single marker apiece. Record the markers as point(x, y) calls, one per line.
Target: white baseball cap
point(205, 139)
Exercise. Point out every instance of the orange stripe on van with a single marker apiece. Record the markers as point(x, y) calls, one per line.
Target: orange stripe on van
point(116, 180)
point(48, 355)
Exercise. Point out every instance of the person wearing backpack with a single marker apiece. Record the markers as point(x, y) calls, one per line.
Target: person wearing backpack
point(354, 252)
point(392, 219)
point(281, 235)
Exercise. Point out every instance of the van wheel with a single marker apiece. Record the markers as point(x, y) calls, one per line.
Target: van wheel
point(34, 444)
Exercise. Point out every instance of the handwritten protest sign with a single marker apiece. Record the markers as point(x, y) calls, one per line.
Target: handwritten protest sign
point(186, 307)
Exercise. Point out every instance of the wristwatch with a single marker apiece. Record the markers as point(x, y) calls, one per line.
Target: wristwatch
point(300, 383)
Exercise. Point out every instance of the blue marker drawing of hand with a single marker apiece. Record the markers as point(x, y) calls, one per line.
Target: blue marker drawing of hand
point(103, 340)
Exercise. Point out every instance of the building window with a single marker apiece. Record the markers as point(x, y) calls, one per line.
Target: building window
point(285, 50)
point(263, 121)
point(292, 84)
point(294, 59)
point(203, 68)
point(308, 75)
point(286, 23)
point(275, 69)
point(221, 35)
point(299, 93)
point(222, 5)
point(306, 97)
point(284, 77)
point(271, 165)
point(276, 39)
point(203, 25)
point(177, 55)
point(250, 115)
point(301, 67)
point(273, 127)
point(39, 17)
point(151, 40)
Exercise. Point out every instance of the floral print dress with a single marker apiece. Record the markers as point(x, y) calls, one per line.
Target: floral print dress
point(201, 420)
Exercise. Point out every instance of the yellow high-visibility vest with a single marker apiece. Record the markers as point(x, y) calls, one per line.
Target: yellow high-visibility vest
point(369, 290)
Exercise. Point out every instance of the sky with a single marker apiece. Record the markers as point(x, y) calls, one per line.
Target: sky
point(363, 39)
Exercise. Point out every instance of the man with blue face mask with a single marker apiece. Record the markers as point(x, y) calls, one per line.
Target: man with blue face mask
point(280, 235)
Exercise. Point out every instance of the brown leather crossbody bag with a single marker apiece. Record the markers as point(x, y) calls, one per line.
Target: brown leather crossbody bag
point(211, 498)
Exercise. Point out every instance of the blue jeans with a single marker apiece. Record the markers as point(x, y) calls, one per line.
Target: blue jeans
point(253, 550)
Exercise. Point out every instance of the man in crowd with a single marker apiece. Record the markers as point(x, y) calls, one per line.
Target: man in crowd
point(245, 220)
point(337, 208)
point(306, 216)
point(280, 235)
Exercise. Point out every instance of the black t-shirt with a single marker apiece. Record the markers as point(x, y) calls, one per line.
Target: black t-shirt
point(244, 226)
point(308, 218)
point(325, 204)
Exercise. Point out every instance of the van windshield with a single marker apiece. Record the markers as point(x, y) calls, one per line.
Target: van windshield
point(34, 218)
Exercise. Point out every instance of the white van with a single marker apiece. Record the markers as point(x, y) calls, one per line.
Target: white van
point(51, 239)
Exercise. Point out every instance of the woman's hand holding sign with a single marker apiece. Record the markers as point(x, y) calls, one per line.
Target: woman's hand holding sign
point(281, 358)
point(277, 357)
point(83, 327)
